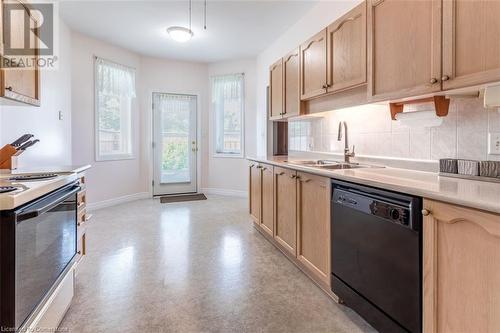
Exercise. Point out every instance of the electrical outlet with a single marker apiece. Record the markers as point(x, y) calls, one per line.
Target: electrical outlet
point(61, 117)
point(494, 143)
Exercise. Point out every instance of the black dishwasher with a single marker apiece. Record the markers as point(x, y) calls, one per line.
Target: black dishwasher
point(376, 254)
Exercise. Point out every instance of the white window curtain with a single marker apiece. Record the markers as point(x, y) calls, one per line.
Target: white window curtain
point(228, 101)
point(114, 93)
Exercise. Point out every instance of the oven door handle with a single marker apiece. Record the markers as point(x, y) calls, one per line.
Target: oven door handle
point(36, 211)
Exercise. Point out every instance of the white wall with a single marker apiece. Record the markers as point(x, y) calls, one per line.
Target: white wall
point(230, 174)
point(54, 148)
point(319, 17)
point(109, 179)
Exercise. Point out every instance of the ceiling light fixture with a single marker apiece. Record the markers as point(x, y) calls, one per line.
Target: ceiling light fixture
point(181, 34)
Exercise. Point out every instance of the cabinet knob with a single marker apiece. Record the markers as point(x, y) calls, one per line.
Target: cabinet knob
point(325, 86)
point(9, 88)
point(281, 173)
point(445, 78)
point(433, 80)
point(426, 212)
point(293, 176)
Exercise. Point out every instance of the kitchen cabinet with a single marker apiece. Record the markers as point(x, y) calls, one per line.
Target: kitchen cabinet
point(276, 90)
point(313, 66)
point(267, 194)
point(313, 224)
point(471, 43)
point(20, 82)
point(285, 212)
point(83, 218)
point(461, 249)
point(346, 51)
point(404, 48)
point(255, 187)
point(291, 81)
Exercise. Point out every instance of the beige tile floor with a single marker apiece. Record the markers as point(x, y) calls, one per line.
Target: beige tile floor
point(194, 267)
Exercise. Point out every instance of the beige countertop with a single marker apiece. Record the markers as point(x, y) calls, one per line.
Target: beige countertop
point(464, 192)
point(31, 190)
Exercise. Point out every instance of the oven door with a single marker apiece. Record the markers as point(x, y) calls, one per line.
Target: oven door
point(45, 245)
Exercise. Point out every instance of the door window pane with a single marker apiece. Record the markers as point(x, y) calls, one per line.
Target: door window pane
point(175, 128)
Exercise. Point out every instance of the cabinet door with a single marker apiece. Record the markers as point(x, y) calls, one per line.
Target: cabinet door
point(461, 269)
point(267, 217)
point(291, 84)
point(285, 195)
point(276, 90)
point(21, 82)
point(255, 188)
point(313, 66)
point(471, 42)
point(313, 224)
point(347, 50)
point(404, 48)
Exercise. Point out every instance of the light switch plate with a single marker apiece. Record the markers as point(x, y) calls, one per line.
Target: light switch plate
point(494, 143)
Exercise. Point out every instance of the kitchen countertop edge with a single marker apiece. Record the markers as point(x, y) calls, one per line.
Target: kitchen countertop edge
point(337, 175)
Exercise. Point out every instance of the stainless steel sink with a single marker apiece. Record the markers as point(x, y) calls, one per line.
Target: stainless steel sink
point(331, 165)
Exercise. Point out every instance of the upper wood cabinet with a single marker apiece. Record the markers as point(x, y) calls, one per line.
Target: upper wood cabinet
point(267, 194)
point(291, 81)
point(276, 90)
point(313, 66)
point(313, 224)
point(285, 214)
point(471, 42)
point(19, 82)
point(461, 249)
point(346, 50)
point(404, 48)
point(255, 189)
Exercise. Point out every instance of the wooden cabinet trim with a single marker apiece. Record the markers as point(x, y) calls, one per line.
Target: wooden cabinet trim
point(287, 81)
point(276, 94)
point(324, 185)
point(359, 12)
point(435, 71)
point(441, 285)
point(318, 38)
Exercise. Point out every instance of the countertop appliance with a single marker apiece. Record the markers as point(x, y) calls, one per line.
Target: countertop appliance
point(38, 243)
point(376, 255)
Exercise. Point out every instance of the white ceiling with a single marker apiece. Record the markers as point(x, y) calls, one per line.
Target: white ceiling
point(235, 29)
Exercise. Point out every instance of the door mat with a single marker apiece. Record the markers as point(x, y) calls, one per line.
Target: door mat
point(183, 197)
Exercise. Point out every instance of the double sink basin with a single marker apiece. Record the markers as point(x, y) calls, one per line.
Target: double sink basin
point(330, 165)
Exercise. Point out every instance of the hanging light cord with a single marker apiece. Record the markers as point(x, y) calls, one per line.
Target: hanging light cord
point(205, 16)
point(190, 15)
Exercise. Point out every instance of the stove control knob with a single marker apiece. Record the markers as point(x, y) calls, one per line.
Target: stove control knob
point(394, 213)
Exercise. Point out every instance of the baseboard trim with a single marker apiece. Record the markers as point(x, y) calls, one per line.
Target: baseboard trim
point(117, 201)
point(225, 192)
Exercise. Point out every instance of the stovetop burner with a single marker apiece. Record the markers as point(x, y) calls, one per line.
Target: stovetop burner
point(7, 189)
point(28, 178)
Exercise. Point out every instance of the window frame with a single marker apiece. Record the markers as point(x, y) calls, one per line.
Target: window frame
point(111, 157)
point(215, 153)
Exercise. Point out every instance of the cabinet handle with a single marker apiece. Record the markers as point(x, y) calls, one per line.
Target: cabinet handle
point(426, 212)
point(259, 166)
point(305, 180)
point(281, 173)
point(263, 169)
point(79, 252)
point(9, 88)
point(434, 80)
point(293, 176)
point(325, 86)
point(445, 78)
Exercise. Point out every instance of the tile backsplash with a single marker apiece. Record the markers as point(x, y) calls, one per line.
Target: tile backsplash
point(463, 133)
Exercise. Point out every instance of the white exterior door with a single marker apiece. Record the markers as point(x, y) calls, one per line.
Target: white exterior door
point(174, 143)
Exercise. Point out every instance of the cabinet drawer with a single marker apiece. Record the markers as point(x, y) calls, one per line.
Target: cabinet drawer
point(80, 247)
point(81, 200)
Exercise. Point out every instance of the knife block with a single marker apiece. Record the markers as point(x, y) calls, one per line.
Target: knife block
point(8, 160)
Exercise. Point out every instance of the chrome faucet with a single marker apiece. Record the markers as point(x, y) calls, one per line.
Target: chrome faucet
point(347, 153)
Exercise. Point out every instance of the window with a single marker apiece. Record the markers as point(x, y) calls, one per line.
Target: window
point(228, 101)
point(114, 93)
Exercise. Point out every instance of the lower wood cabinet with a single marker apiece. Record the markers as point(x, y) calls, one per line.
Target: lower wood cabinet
point(461, 269)
point(313, 224)
point(255, 188)
point(267, 194)
point(285, 212)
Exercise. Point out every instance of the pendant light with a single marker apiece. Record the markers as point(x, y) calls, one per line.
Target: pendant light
point(181, 34)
